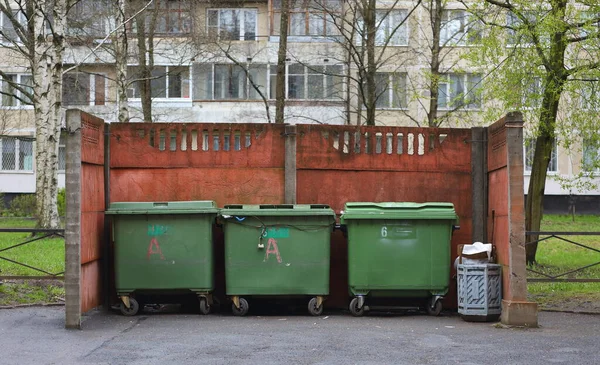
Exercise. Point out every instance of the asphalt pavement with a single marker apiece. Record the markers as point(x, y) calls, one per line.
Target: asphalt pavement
point(36, 335)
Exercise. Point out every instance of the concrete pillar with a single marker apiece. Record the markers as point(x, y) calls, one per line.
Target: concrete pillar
point(479, 183)
point(516, 310)
point(290, 164)
point(73, 221)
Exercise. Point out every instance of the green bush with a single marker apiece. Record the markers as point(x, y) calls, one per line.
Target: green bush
point(23, 206)
point(61, 202)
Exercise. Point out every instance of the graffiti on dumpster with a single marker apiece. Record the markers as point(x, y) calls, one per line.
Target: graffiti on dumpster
point(154, 249)
point(272, 249)
point(155, 230)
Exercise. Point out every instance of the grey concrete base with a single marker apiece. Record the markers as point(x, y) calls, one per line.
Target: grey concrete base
point(517, 313)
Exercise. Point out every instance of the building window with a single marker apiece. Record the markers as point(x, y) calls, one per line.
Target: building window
point(16, 90)
point(90, 18)
point(7, 26)
point(529, 154)
point(17, 154)
point(590, 94)
point(232, 24)
point(229, 82)
point(170, 82)
point(392, 28)
point(459, 91)
point(532, 93)
point(309, 18)
point(590, 161)
point(518, 32)
point(62, 154)
point(311, 82)
point(458, 28)
point(81, 88)
point(171, 17)
point(391, 91)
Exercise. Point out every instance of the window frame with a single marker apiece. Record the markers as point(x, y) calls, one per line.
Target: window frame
point(307, 10)
point(92, 89)
point(21, 18)
point(307, 72)
point(393, 79)
point(249, 90)
point(132, 90)
point(462, 38)
point(528, 155)
point(587, 148)
point(242, 23)
point(17, 154)
point(445, 79)
point(18, 103)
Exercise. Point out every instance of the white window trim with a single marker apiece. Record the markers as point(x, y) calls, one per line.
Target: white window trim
point(21, 18)
point(390, 91)
point(538, 85)
point(19, 105)
point(168, 100)
point(446, 39)
point(305, 74)
point(390, 27)
point(445, 80)
point(527, 170)
point(386, 22)
point(242, 22)
point(17, 157)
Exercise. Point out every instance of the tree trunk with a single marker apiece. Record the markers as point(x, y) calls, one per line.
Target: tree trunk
point(436, 26)
point(556, 77)
point(371, 31)
point(120, 42)
point(281, 57)
point(144, 68)
point(47, 67)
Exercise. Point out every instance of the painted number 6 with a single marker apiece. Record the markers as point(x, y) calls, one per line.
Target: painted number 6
point(384, 231)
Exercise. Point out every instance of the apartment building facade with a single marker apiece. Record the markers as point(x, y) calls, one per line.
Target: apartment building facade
point(216, 61)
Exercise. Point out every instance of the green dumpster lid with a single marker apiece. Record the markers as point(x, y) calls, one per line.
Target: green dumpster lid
point(394, 210)
point(277, 210)
point(188, 207)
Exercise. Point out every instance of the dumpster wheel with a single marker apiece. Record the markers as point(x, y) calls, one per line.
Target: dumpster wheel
point(434, 306)
point(243, 308)
point(354, 309)
point(204, 306)
point(133, 309)
point(314, 308)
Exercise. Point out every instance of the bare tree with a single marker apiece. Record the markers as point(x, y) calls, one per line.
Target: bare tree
point(368, 36)
point(36, 32)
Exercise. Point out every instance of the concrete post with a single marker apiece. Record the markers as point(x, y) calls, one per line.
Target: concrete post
point(479, 183)
point(290, 164)
point(516, 310)
point(73, 221)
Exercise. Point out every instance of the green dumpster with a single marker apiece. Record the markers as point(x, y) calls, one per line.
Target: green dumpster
point(398, 250)
point(163, 248)
point(277, 250)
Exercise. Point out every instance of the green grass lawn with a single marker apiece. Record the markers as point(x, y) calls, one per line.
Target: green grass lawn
point(47, 254)
point(555, 256)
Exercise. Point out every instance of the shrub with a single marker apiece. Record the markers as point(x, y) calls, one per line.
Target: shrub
point(61, 202)
point(23, 206)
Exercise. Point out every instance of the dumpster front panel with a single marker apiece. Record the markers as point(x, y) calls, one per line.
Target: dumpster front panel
point(163, 252)
point(398, 255)
point(277, 255)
